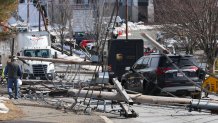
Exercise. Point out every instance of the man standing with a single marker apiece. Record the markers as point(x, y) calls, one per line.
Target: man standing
point(12, 70)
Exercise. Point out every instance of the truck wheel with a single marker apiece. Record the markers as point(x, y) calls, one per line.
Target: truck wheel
point(24, 76)
point(53, 76)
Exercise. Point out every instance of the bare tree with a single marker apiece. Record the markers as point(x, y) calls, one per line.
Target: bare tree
point(104, 9)
point(196, 20)
point(7, 7)
point(94, 18)
point(62, 12)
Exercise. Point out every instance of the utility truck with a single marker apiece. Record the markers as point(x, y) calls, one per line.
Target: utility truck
point(35, 44)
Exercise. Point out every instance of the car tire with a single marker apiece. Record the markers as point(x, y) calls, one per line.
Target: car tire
point(145, 87)
point(150, 88)
point(156, 91)
point(197, 96)
point(125, 84)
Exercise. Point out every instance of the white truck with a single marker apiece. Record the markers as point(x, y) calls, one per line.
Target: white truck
point(35, 44)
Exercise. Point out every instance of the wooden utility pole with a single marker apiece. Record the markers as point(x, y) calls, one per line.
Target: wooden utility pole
point(139, 98)
point(17, 17)
point(28, 11)
point(65, 61)
point(39, 17)
point(12, 49)
point(41, 14)
point(126, 19)
point(155, 43)
point(52, 11)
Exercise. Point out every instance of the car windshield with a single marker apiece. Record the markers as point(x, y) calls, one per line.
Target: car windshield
point(183, 61)
point(180, 61)
point(37, 53)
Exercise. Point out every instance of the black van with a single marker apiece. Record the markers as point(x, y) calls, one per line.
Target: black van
point(123, 53)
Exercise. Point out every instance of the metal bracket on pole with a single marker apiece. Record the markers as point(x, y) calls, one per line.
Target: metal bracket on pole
point(127, 111)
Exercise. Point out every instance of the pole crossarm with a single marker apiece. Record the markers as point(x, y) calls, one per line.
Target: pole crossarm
point(122, 91)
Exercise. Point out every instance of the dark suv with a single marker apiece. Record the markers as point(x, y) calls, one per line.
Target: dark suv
point(155, 74)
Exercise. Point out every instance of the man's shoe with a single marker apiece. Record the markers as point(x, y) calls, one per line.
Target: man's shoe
point(10, 97)
point(16, 98)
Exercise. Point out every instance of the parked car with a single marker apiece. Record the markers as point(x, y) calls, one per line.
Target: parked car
point(155, 74)
point(90, 46)
point(148, 50)
point(79, 36)
point(84, 43)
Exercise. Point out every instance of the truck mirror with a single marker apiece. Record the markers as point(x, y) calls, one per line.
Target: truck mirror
point(18, 54)
point(55, 55)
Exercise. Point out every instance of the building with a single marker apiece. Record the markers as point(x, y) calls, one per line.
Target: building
point(138, 10)
point(75, 15)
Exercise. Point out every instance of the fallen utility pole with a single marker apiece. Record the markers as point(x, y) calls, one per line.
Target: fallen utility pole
point(33, 81)
point(138, 98)
point(75, 71)
point(65, 61)
point(156, 44)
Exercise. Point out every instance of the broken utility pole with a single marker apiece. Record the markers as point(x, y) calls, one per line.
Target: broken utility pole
point(65, 61)
point(138, 98)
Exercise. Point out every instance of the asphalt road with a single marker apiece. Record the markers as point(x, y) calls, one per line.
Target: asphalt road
point(147, 113)
point(158, 113)
point(167, 114)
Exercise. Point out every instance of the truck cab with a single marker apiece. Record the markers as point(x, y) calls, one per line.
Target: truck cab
point(35, 44)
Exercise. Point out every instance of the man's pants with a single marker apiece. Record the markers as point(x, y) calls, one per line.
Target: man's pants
point(12, 83)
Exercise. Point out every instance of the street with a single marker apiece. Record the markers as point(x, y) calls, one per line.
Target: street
point(166, 114)
point(109, 61)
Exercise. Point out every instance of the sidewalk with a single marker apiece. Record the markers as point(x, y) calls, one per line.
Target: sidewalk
point(22, 111)
point(8, 111)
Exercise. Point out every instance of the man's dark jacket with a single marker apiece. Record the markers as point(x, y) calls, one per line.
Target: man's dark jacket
point(12, 70)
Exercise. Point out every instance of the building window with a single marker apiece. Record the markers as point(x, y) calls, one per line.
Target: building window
point(91, 1)
point(78, 1)
point(22, 1)
point(143, 2)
